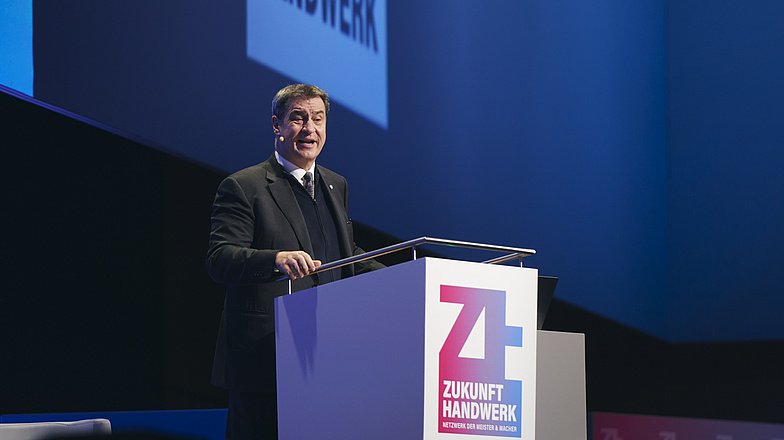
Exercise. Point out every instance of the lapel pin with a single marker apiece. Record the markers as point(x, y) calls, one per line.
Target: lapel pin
point(330, 187)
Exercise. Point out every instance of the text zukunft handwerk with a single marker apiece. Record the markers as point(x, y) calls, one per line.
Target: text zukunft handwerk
point(476, 401)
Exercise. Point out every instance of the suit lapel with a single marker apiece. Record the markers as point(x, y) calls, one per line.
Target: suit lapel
point(281, 191)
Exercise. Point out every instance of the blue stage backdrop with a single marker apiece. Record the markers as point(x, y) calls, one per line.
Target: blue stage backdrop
point(635, 145)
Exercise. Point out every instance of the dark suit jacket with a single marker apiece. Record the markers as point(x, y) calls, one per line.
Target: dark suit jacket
point(255, 215)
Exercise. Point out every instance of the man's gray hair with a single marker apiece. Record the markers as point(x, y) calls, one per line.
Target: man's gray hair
point(281, 100)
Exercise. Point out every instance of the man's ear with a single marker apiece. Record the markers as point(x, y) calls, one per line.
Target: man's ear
point(275, 125)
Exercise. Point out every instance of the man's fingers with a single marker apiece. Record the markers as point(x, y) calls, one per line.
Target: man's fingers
point(296, 264)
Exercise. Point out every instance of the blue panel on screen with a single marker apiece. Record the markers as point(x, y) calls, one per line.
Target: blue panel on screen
point(16, 45)
point(339, 46)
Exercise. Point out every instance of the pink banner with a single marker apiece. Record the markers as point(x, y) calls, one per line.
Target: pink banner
point(633, 427)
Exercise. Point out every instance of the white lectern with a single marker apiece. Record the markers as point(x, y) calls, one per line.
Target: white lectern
point(428, 349)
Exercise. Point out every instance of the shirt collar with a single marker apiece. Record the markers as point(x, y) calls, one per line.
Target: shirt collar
point(294, 170)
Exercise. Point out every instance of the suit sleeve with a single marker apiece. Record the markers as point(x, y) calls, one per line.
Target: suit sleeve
point(367, 265)
point(362, 266)
point(230, 256)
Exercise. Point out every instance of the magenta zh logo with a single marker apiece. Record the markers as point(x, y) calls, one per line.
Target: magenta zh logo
point(474, 395)
point(497, 334)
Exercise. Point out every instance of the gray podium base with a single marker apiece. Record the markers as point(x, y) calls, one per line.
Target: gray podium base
point(560, 386)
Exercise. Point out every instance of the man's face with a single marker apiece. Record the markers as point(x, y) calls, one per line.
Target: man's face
point(304, 131)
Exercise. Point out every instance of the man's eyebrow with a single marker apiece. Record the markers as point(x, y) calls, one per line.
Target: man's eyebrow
point(301, 111)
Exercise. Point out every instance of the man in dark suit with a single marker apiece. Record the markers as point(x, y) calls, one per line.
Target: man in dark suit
point(283, 216)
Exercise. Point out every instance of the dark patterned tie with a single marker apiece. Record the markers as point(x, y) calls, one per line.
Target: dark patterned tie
point(309, 184)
